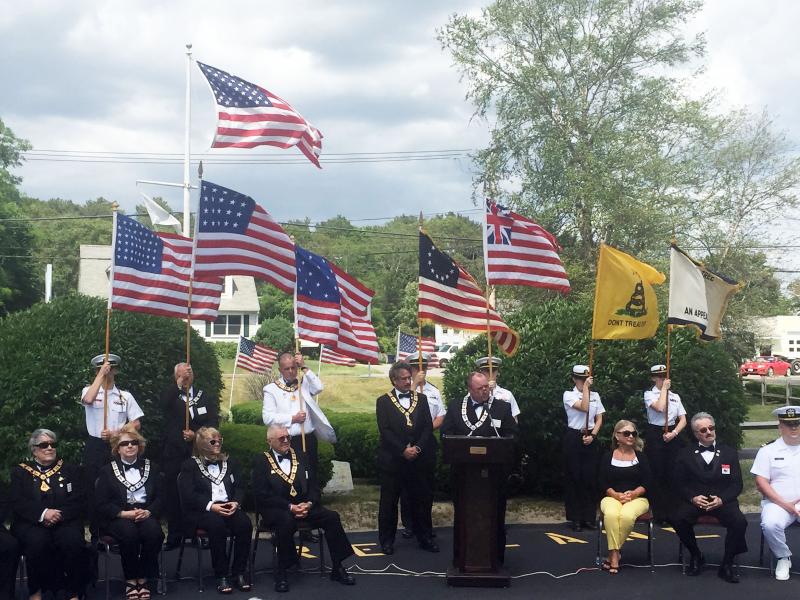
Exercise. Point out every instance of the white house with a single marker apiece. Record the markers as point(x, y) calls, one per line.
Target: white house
point(238, 307)
point(780, 335)
point(451, 335)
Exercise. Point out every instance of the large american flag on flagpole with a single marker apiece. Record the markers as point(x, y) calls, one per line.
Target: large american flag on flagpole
point(407, 345)
point(255, 357)
point(518, 251)
point(333, 308)
point(235, 236)
point(328, 356)
point(251, 116)
point(151, 274)
point(448, 295)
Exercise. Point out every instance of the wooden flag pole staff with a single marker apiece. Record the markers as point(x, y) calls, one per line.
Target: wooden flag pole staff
point(591, 360)
point(105, 379)
point(419, 324)
point(666, 405)
point(300, 393)
point(188, 351)
point(114, 208)
point(489, 328)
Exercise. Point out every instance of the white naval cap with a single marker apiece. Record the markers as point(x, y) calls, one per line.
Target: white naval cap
point(113, 360)
point(581, 371)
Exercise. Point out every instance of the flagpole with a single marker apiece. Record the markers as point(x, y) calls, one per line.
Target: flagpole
point(233, 377)
point(300, 387)
point(114, 209)
point(397, 347)
point(591, 360)
point(489, 328)
point(187, 143)
point(666, 407)
point(419, 325)
point(319, 366)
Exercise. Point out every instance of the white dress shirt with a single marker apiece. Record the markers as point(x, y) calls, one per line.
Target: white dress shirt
point(133, 476)
point(280, 406)
point(505, 395)
point(779, 463)
point(218, 493)
point(674, 406)
point(435, 403)
point(122, 409)
point(576, 419)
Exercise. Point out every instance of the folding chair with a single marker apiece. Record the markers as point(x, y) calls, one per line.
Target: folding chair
point(701, 520)
point(646, 519)
point(107, 545)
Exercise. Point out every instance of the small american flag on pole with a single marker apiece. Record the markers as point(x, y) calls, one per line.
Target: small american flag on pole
point(251, 116)
point(255, 357)
point(517, 251)
point(150, 274)
point(407, 344)
point(330, 357)
point(235, 236)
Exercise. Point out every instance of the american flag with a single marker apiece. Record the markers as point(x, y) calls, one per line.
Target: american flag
point(449, 295)
point(151, 272)
point(255, 357)
point(235, 236)
point(328, 356)
point(251, 116)
point(517, 251)
point(407, 344)
point(333, 308)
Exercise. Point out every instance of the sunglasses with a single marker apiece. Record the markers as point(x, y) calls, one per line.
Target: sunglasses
point(283, 439)
point(215, 442)
point(46, 445)
point(125, 443)
point(627, 433)
point(707, 429)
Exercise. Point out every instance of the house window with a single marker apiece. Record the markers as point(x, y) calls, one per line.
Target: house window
point(227, 325)
point(444, 330)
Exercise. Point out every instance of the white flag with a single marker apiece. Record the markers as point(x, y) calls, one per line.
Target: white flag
point(697, 296)
point(158, 215)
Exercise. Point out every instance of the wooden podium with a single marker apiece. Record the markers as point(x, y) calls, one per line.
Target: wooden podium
point(479, 466)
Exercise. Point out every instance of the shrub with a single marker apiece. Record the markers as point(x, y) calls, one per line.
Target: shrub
point(44, 365)
point(555, 336)
point(225, 350)
point(357, 442)
point(247, 413)
point(276, 333)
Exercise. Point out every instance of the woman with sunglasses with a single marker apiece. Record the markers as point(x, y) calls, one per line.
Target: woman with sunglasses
point(48, 502)
point(211, 491)
point(128, 504)
point(624, 479)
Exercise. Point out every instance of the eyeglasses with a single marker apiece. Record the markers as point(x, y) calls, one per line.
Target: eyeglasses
point(125, 443)
point(627, 433)
point(283, 439)
point(707, 429)
point(790, 424)
point(46, 445)
point(215, 442)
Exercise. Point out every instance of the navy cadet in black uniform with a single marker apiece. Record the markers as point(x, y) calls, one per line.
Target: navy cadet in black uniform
point(287, 493)
point(406, 458)
point(9, 549)
point(48, 509)
point(479, 414)
point(708, 481)
point(177, 441)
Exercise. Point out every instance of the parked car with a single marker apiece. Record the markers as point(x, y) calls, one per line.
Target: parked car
point(445, 353)
point(765, 365)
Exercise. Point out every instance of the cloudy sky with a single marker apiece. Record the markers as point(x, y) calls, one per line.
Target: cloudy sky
point(108, 76)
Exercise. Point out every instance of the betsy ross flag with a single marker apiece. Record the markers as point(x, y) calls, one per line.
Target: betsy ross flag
point(332, 308)
point(517, 251)
point(255, 357)
point(151, 271)
point(448, 295)
point(328, 356)
point(407, 344)
point(251, 116)
point(235, 236)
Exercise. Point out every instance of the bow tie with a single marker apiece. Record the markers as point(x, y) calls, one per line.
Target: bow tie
point(477, 404)
point(291, 383)
point(404, 395)
point(707, 448)
point(41, 467)
point(132, 466)
point(282, 457)
point(211, 461)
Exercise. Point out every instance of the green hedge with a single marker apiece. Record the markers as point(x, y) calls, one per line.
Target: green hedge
point(243, 442)
point(225, 350)
point(247, 413)
point(44, 365)
point(555, 336)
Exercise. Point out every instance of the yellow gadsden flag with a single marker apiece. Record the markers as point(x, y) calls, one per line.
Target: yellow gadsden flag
point(625, 305)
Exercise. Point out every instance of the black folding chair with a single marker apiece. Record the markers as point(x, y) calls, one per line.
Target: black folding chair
point(645, 519)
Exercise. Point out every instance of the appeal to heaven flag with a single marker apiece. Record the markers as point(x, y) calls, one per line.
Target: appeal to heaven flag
point(625, 305)
point(697, 296)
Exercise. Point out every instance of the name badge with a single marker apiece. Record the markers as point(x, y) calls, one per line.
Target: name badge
point(201, 410)
point(495, 422)
point(726, 469)
point(69, 488)
point(232, 480)
point(778, 458)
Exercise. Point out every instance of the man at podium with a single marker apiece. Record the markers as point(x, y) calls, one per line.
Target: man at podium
point(478, 414)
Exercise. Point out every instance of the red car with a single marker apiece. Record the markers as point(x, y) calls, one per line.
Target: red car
point(765, 365)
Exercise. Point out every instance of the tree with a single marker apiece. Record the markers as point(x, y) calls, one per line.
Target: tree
point(599, 142)
point(276, 333)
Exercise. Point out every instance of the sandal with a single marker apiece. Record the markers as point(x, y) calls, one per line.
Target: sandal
point(144, 592)
point(613, 570)
point(606, 565)
point(132, 591)
point(224, 586)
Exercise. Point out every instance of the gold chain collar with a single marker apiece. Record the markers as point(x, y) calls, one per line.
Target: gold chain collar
point(292, 473)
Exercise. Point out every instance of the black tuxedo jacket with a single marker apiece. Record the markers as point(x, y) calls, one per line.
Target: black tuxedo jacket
point(273, 493)
point(395, 435)
point(66, 494)
point(111, 496)
point(175, 418)
point(500, 411)
point(195, 490)
point(5, 505)
point(693, 477)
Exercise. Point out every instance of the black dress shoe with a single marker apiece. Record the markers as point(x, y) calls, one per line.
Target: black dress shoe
point(696, 563)
point(429, 545)
point(224, 586)
point(407, 533)
point(576, 526)
point(241, 583)
point(340, 574)
point(171, 544)
point(727, 573)
point(588, 525)
point(281, 584)
point(387, 548)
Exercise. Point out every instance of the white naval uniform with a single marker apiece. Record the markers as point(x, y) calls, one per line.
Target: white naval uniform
point(779, 463)
point(435, 403)
point(577, 419)
point(674, 407)
point(122, 409)
point(505, 395)
point(280, 405)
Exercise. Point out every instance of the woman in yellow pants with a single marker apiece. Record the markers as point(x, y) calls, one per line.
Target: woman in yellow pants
point(624, 477)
